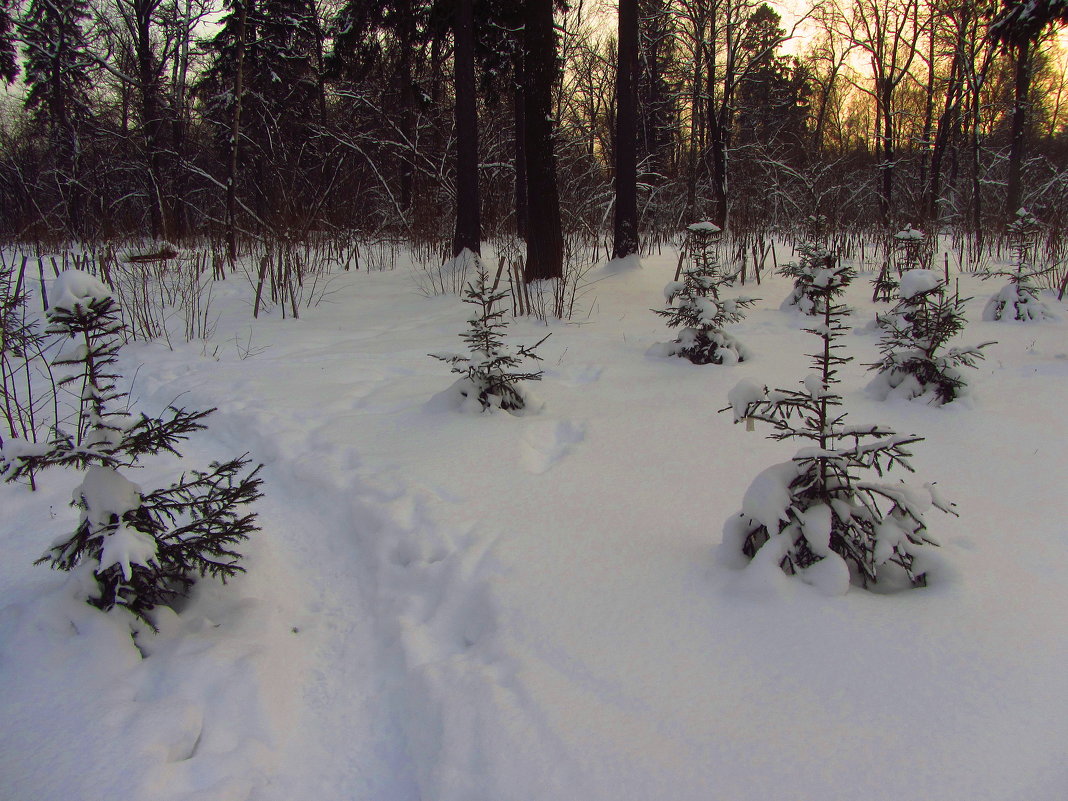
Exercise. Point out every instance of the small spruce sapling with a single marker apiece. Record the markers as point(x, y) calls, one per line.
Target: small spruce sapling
point(698, 310)
point(137, 550)
point(811, 272)
point(815, 515)
point(1019, 298)
point(909, 253)
point(490, 378)
point(916, 362)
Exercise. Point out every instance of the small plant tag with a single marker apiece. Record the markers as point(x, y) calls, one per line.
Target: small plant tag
point(750, 424)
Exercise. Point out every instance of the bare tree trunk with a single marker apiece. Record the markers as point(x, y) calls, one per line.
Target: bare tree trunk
point(625, 240)
point(545, 244)
point(519, 103)
point(151, 122)
point(235, 135)
point(468, 234)
point(1022, 88)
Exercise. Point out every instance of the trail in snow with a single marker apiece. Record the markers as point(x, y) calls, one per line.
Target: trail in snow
point(450, 607)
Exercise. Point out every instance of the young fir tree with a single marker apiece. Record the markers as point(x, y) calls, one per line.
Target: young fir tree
point(1019, 298)
point(697, 308)
point(909, 254)
point(811, 274)
point(916, 363)
point(815, 515)
point(136, 549)
point(490, 378)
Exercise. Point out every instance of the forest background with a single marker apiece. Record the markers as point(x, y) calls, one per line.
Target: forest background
point(244, 126)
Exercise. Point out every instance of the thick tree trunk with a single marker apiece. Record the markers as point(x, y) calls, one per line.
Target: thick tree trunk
point(519, 103)
point(235, 135)
point(1017, 146)
point(545, 245)
point(468, 234)
point(625, 240)
point(151, 122)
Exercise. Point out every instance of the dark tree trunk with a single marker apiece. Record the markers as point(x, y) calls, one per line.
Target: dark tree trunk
point(1017, 146)
point(151, 120)
point(625, 240)
point(235, 136)
point(519, 101)
point(943, 131)
point(545, 245)
point(468, 233)
point(886, 166)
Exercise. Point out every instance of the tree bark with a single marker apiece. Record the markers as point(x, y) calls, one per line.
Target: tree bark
point(1018, 142)
point(625, 240)
point(235, 135)
point(545, 245)
point(468, 234)
point(519, 102)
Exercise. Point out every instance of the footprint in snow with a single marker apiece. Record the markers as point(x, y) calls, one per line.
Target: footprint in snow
point(545, 443)
point(576, 375)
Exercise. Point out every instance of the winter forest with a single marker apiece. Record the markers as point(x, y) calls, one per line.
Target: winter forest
point(519, 400)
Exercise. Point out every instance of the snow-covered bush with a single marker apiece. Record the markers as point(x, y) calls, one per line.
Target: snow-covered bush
point(915, 363)
point(695, 306)
point(811, 274)
point(1019, 298)
point(489, 375)
point(817, 515)
point(134, 549)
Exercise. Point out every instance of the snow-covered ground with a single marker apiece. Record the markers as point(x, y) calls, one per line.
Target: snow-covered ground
point(454, 607)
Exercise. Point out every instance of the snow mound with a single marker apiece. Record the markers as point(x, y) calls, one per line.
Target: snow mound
point(74, 289)
point(913, 282)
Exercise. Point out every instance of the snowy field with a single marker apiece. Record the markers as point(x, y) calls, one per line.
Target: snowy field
point(453, 607)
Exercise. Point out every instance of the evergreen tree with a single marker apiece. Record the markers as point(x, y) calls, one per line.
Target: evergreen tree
point(137, 550)
point(814, 274)
point(915, 332)
point(815, 515)
point(910, 253)
point(9, 69)
point(1019, 298)
point(58, 80)
point(490, 377)
point(274, 44)
point(698, 309)
point(1018, 26)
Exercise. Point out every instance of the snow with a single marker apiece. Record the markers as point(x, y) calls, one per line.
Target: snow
point(908, 234)
point(484, 607)
point(913, 282)
point(74, 289)
point(704, 227)
point(105, 496)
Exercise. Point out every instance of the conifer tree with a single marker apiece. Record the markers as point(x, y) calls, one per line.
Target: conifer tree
point(697, 308)
point(57, 76)
point(915, 363)
point(490, 375)
point(136, 549)
point(815, 515)
point(8, 67)
point(909, 251)
point(1019, 298)
point(812, 272)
